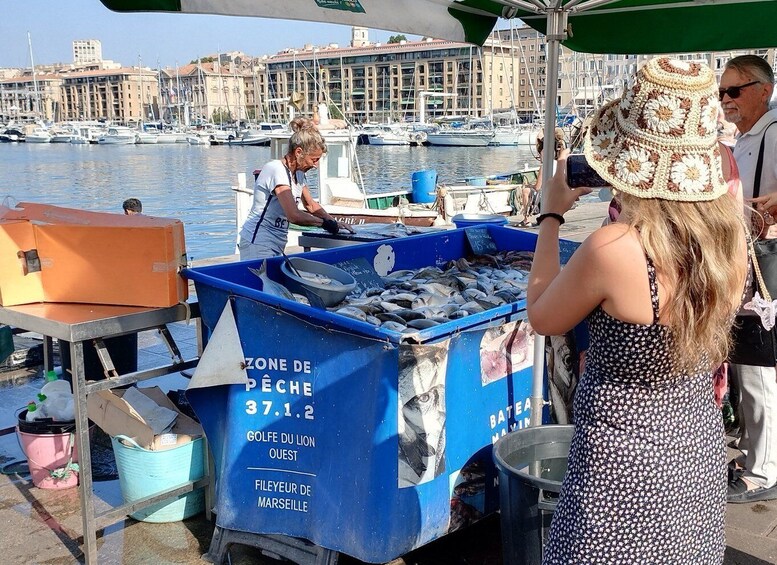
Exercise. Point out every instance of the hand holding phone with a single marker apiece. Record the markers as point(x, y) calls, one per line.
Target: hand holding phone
point(558, 196)
point(580, 173)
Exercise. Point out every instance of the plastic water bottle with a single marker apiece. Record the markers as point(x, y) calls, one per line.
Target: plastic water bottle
point(59, 398)
point(61, 407)
point(43, 401)
point(32, 412)
point(57, 386)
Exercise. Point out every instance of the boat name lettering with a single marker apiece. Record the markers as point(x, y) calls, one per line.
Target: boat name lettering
point(509, 412)
point(517, 425)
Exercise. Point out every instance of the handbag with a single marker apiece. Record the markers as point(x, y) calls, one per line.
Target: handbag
point(753, 344)
point(765, 249)
point(766, 256)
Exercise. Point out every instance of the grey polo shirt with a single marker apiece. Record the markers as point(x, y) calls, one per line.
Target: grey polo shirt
point(746, 155)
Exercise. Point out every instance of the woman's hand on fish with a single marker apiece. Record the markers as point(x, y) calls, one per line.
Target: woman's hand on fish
point(559, 197)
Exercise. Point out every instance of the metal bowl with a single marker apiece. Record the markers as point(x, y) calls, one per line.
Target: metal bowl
point(466, 220)
point(330, 294)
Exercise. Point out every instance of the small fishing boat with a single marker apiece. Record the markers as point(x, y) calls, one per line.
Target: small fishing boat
point(118, 135)
point(38, 135)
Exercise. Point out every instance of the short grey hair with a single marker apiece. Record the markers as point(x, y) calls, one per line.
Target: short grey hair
point(753, 66)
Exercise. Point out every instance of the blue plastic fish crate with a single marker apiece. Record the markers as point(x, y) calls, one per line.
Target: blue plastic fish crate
point(362, 440)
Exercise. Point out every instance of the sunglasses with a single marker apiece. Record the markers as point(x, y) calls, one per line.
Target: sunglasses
point(735, 91)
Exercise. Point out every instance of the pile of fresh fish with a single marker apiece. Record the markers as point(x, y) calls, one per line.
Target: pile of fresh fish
point(415, 300)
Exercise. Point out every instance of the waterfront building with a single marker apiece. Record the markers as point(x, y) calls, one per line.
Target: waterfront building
point(125, 95)
point(207, 92)
point(87, 51)
point(373, 82)
point(23, 99)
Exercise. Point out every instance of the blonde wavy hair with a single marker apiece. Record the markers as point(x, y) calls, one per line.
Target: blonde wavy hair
point(695, 248)
point(305, 135)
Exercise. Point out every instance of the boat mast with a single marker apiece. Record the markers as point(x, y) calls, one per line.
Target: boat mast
point(35, 94)
point(142, 98)
point(531, 82)
point(178, 92)
point(161, 93)
point(471, 93)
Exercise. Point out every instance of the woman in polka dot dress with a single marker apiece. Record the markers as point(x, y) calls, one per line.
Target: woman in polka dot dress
point(646, 481)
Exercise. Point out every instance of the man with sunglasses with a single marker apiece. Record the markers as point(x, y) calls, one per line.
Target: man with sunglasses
point(745, 90)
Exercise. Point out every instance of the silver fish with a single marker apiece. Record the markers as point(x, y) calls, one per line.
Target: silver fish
point(352, 312)
point(422, 324)
point(393, 326)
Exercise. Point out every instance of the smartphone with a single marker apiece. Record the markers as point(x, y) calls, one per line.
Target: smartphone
point(580, 173)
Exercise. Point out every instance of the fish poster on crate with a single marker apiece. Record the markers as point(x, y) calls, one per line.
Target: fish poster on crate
point(421, 417)
point(360, 445)
point(505, 350)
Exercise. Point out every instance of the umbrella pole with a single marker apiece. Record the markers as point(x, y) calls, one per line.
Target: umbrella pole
point(556, 33)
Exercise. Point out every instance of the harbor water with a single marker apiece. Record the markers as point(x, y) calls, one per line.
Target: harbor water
point(192, 183)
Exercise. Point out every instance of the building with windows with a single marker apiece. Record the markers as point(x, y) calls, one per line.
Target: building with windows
point(87, 51)
point(209, 92)
point(125, 95)
point(23, 99)
point(373, 82)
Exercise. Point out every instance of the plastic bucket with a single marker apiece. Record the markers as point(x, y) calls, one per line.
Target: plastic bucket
point(143, 473)
point(424, 186)
point(48, 451)
point(531, 463)
point(469, 220)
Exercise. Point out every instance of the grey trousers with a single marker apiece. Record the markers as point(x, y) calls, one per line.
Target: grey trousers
point(758, 418)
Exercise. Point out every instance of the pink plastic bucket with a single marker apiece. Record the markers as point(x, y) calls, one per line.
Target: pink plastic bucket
point(49, 453)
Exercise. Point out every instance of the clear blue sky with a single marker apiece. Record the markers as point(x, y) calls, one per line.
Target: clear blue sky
point(170, 38)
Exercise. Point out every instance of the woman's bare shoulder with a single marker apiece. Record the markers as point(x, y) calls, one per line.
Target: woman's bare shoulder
point(612, 239)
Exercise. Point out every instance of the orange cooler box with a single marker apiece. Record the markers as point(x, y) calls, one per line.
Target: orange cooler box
point(54, 254)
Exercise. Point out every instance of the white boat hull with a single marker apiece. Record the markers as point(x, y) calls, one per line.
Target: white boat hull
point(117, 140)
point(388, 140)
point(515, 137)
point(459, 140)
point(197, 140)
point(38, 139)
point(170, 138)
point(147, 138)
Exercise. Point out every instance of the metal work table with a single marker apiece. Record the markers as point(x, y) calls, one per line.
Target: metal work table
point(81, 324)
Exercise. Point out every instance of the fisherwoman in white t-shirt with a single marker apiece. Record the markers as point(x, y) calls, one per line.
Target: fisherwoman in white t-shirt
point(279, 189)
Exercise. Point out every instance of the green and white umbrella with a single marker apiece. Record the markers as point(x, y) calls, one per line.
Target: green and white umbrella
point(595, 26)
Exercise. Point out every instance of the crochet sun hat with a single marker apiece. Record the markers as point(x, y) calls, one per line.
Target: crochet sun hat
point(660, 140)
